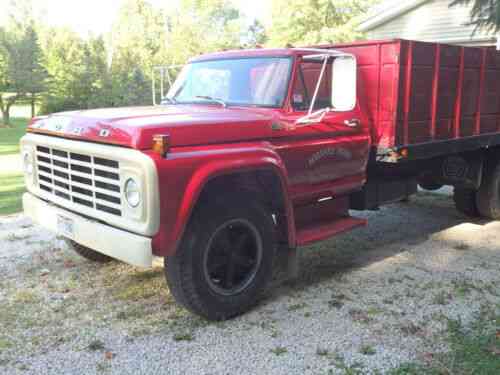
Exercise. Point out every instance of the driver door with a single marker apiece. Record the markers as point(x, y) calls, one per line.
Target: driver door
point(327, 157)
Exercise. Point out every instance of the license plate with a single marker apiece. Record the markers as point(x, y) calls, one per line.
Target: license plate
point(65, 226)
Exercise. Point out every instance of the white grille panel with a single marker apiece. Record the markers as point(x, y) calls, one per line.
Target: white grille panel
point(85, 180)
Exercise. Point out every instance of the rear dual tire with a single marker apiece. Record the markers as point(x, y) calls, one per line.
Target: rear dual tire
point(428, 183)
point(488, 195)
point(484, 202)
point(465, 201)
point(225, 259)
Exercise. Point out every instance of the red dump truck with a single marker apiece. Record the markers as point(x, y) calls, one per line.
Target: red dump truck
point(252, 151)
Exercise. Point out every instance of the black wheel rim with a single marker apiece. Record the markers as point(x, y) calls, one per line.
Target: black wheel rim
point(233, 257)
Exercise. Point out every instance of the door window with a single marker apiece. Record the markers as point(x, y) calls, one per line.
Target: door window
point(305, 84)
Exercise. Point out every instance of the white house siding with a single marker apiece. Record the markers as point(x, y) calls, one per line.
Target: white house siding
point(433, 21)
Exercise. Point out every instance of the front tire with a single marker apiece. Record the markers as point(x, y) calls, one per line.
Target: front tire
point(90, 254)
point(224, 261)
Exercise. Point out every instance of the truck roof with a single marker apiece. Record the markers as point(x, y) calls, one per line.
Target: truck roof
point(296, 51)
point(260, 52)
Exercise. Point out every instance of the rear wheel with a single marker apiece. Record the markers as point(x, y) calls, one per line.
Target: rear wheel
point(429, 185)
point(225, 259)
point(465, 201)
point(488, 195)
point(90, 254)
point(426, 182)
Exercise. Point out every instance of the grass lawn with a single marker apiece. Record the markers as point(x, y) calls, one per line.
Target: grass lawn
point(11, 183)
point(9, 137)
point(11, 190)
point(475, 350)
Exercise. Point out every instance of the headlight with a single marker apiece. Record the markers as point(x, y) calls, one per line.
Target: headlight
point(28, 164)
point(132, 193)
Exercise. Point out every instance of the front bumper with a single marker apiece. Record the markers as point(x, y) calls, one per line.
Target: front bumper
point(125, 246)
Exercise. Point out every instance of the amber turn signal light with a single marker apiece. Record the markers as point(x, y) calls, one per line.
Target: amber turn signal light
point(161, 144)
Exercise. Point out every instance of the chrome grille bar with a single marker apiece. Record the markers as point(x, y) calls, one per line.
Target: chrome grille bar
point(85, 180)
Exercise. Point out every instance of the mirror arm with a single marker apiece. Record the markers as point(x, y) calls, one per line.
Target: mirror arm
point(313, 118)
point(153, 88)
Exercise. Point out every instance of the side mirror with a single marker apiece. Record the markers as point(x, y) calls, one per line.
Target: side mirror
point(344, 83)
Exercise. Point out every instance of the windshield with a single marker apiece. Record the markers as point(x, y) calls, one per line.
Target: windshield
point(248, 82)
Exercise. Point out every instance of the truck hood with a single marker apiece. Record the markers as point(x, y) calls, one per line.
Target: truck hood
point(187, 125)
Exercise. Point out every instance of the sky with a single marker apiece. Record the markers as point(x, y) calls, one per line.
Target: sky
point(96, 16)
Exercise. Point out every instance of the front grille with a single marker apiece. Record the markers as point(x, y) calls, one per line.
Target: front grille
point(85, 180)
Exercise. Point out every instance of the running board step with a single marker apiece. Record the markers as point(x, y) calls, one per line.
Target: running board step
point(313, 233)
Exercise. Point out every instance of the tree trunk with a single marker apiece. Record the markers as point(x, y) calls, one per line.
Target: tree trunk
point(5, 108)
point(33, 114)
point(2, 109)
point(6, 116)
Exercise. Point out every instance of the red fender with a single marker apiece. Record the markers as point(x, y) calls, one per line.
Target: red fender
point(178, 196)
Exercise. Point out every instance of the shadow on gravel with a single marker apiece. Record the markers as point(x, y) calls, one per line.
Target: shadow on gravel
point(390, 231)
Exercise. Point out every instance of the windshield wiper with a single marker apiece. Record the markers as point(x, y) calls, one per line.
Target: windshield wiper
point(216, 100)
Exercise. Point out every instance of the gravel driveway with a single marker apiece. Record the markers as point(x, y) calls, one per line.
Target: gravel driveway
point(367, 301)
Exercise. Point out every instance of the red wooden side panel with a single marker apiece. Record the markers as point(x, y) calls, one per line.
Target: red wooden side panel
point(418, 92)
point(447, 82)
point(388, 93)
point(378, 76)
point(446, 92)
point(470, 92)
point(490, 96)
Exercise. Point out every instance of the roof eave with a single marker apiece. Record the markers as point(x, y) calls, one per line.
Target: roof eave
point(389, 14)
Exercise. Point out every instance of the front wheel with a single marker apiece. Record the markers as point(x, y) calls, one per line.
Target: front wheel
point(90, 254)
point(225, 259)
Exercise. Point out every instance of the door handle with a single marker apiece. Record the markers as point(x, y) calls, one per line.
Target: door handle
point(354, 123)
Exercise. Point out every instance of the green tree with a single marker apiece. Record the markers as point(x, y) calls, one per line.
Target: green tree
point(95, 77)
point(36, 73)
point(200, 26)
point(308, 22)
point(144, 37)
point(79, 76)
point(256, 35)
point(137, 41)
point(485, 14)
point(22, 73)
